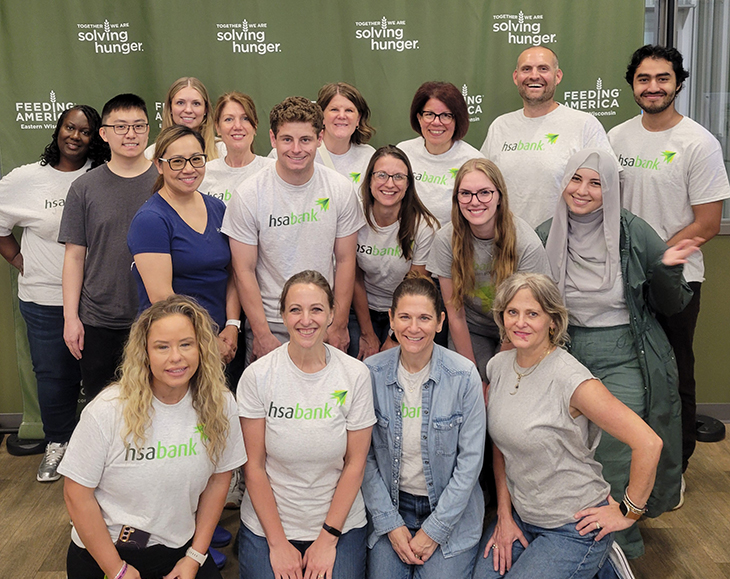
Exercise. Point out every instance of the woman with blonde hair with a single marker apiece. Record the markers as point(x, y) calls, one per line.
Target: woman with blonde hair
point(235, 122)
point(187, 104)
point(482, 245)
point(148, 466)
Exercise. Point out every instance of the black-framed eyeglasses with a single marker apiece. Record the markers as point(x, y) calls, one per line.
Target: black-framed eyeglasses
point(430, 116)
point(382, 177)
point(465, 197)
point(197, 161)
point(123, 129)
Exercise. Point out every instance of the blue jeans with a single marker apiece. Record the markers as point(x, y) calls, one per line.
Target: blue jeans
point(383, 562)
point(559, 553)
point(57, 372)
point(254, 561)
point(381, 326)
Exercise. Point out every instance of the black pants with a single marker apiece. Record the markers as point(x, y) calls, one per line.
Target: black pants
point(102, 354)
point(152, 563)
point(680, 330)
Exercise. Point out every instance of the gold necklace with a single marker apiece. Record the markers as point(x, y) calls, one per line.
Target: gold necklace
point(529, 371)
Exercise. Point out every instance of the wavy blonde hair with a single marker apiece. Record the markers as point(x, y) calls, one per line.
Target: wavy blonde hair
point(206, 127)
point(207, 386)
point(504, 252)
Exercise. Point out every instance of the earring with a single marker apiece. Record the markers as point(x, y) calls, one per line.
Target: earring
point(551, 333)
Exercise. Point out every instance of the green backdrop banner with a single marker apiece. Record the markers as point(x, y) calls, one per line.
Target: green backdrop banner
point(54, 54)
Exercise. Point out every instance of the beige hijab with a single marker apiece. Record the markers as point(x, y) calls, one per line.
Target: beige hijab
point(584, 249)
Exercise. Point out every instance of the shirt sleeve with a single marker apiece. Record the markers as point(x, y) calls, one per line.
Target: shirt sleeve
point(73, 222)
point(11, 191)
point(361, 413)
point(239, 220)
point(532, 258)
point(440, 256)
point(248, 394)
point(351, 218)
point(707, 179)
point(234, 454)
point(423, 243)
point(149, 233)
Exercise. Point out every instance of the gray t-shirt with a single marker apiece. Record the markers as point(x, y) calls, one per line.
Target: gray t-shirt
point(156, 488)
point(221, 180)
point(478, 306)
point(548, 454)
point(99, 208)
point(307, 420)
point(293, 226)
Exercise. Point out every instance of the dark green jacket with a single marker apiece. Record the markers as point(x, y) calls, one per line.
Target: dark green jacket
point(650, 286)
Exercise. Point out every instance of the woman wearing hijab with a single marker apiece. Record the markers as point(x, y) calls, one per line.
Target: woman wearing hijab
point(615, 273)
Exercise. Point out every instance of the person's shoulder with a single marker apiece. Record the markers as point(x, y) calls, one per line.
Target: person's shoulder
point(445, 232)
point(694, 133)
point(330, 177)
point(452, 362)
point(410, 146)
point(382, 360)
point(463, 148)
point(573, 114)
point(25, 171)
point(213, 203)
point(621, 128)
point(525, 233)
point(106, 404)
point(343, 360)
point(507, 118)
point(90, 179)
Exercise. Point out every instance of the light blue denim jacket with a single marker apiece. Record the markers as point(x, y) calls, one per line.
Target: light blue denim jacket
point(452, 446)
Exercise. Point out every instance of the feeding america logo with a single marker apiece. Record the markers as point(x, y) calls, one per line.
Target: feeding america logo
point(108, 37)
point(598, 101)
point(40, 114)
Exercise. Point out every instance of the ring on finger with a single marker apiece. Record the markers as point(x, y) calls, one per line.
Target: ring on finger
point(494, 547)
point(598, 526)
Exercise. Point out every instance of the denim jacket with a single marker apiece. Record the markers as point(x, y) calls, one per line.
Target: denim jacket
point(452, 447)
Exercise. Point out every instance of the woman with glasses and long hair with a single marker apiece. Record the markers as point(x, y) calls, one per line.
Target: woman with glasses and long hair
point(176, 241)
point(481, 247)
point(148, 466)
point(396, 240)
point(33, 197)
point(439, 115)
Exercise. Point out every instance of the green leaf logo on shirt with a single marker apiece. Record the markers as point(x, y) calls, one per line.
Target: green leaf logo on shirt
point(668, 156)
point(485, 292)
point(453, 173)
point(355, 177)
point(339, 396)
point(324, 203)
point(551, 137)
point(200, 429)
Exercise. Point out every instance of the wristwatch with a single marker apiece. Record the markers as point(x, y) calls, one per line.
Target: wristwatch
point(199, 558)
point(629, 512)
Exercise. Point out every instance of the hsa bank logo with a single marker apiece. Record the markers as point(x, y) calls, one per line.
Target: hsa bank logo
point(108, 38)
point(522, 28)
point(385, 34)
point(311, 216)
point(247, 37)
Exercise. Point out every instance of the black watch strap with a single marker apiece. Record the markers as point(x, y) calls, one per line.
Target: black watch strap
point(331, 530)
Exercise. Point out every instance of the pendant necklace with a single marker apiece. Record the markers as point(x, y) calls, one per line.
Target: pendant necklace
point(527, 372)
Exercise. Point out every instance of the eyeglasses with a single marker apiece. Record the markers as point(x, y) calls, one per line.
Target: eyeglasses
point(465, 197)
point(197, 161)
point(430, 116)
point(382, 177)
point(139, 128)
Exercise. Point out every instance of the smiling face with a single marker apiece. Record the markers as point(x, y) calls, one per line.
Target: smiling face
point(129, 145)
point(188, 179)
point(655, 85)
point(526, 324)
point(296, 148)
point(188, 108)
point(74, 137)
point(235, 128)
point(438, 135)
point(306, 315)
point(537, 75)
point(174, 356)
point(583, 194)
point(341, 118)
point(479, 214)
point(415, 324)
point(388, 193)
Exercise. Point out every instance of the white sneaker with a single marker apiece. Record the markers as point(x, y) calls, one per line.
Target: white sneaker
point(48, 469)
point(620, 564)
point(233, 498)
point(681, 495)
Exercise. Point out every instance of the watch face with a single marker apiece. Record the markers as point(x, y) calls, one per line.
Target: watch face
point(624, 509)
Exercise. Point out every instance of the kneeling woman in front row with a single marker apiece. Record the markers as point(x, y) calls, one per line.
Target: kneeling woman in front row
point(148, 467)
point(307, 412)
point(421, 484)
point(555, 516)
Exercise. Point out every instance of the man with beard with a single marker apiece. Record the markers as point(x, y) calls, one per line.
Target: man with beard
point(541, 136)
point(674, 178)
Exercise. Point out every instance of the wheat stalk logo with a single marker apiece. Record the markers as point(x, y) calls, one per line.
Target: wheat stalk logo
point(599, 84)
point(339, 396)
point(244, 25)
point(106, 26)
point(521, 17)
point(52, 97)
point(464, 91)
point(384, 23)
